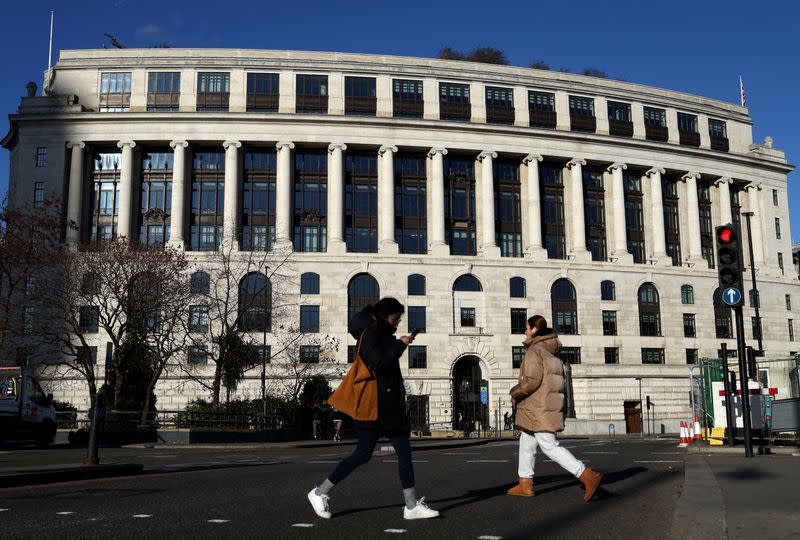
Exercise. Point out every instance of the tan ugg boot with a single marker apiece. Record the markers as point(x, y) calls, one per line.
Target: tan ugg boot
point(523, 489)
point(591, 481)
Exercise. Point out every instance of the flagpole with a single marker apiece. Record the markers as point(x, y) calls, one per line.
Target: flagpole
point(50, 49)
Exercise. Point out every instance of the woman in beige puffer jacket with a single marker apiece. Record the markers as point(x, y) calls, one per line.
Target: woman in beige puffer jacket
point(539, 402)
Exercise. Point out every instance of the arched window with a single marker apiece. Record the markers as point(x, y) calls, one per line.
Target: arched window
point(722, 317)
point(565, 307)
point(255, 303)
point(516, 286)
point(467, 283)
point(608, 290)
point(687, 294)
point(201, 282)
point(649, 311)
point(416, 285)
point(309, 283)
point(362, 291)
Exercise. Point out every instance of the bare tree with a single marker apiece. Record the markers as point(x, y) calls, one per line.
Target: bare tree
point(485, 55)
point(304, 356)
point(594, 72)
point(540, 64)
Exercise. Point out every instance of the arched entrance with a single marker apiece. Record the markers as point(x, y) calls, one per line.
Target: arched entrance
point(467, 380)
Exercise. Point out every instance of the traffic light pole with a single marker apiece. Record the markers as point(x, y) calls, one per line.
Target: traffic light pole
point(729, 397)
point(742, 354)
point(757, 298)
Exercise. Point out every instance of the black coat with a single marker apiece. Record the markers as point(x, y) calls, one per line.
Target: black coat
point(381, 351)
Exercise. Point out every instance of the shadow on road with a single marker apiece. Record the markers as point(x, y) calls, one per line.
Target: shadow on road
point(746, 473)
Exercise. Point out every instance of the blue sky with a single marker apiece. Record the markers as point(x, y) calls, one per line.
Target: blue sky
point(697, 47)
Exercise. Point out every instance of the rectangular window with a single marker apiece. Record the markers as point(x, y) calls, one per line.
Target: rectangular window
point(542, 109)
point(198, 355)
point(570, 355)
point(519, 318)
point(551, 187)
point(310, 201)
point(508, 211)
point(778, 228)
point(790, 324)
point(517, 356)
point(594, 212)
point(652, 356)
point(619, 119)
point(687, 129)
point(309, 319)
point(309, 354)
point(609, 323)
point(163, 91)
point(407, 100)
point(198, 319)
point(263, 92)
point(672, 227)
point(87, 355)
point(311, 94)
point(634, 216)
point(655, 124)
point(41, 156)
point(611, 355)
point(706, 226)
point(780, 262)
point(361, 202)
point(774, 197)
point(691, 356)
point(499, 105)
point(689, 328)
point(454, 103)
point(410, 203)
point(581, 114)
point(417, 357)
point(115, 92)
point(788, 302)
point(359, 96)
point(213, 91)
point(89, 320)
point(468, 317)
point(38, 194)
point(718, 131)
point(416, 318)
point(731, 353)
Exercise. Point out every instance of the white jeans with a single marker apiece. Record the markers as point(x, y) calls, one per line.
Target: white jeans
point(551, 448)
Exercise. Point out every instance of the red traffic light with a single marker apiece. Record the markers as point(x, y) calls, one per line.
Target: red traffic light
point(726, 235)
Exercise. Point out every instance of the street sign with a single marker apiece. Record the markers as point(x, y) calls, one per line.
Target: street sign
point(484, 395)
point(732, 296)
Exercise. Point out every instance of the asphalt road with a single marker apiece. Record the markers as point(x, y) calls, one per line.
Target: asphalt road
point(253, 493)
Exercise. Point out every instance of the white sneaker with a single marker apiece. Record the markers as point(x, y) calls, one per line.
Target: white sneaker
point(320, 504)
point(421, 511)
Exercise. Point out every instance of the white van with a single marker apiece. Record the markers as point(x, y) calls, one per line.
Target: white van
point(25, 411)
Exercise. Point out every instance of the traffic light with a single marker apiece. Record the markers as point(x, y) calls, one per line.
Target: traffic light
point(729, 262)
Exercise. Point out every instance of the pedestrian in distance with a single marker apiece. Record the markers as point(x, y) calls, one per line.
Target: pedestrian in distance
point(375, 327)
point(538, 399)
point(506, 421)
point(337, 425)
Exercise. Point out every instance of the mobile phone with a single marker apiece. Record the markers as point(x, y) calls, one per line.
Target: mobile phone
point(415, 332)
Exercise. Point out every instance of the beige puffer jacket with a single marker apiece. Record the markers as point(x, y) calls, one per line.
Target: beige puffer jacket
point(540, 391)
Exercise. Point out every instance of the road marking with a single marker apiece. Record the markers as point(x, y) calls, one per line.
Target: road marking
point(394, 531)
point(488, 537)
point(666, 453)
point(218, 520)
point(329, 455)
point(3, 509)
point(142, 516)
point(487, 461)
point(321, 461)
point(303, 525)
point(64, 513)
point(662, 461)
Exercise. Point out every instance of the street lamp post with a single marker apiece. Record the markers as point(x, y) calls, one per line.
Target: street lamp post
point(756, 299)
point(641, 428)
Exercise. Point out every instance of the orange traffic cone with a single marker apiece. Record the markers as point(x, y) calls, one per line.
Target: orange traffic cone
point(684, 437)
point(697, 434)
point(691, 431)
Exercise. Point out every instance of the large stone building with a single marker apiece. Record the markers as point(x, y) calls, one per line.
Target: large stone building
point(476, 194)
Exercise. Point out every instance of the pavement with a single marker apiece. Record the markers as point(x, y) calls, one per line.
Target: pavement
point(651, 490)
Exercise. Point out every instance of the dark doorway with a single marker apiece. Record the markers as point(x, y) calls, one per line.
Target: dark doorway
point(633, 416)
point(418, 412)
point(466, 393)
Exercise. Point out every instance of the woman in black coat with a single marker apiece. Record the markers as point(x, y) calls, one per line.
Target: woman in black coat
point(375, 326)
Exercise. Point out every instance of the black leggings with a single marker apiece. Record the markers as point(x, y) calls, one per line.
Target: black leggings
point(363, 452)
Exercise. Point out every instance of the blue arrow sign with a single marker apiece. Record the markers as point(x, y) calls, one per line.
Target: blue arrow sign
point(732, 296)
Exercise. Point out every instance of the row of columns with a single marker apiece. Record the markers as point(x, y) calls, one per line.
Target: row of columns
point(437, 241)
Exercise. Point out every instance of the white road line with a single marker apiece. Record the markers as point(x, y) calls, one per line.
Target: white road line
point(487, 461)
point(303, 525)
point(394, 531)
point(489, 537)
point(64, 513)
point(143, 516)
point(3, 509)
point(218, 521)
point(666, 453)
point(662, 461)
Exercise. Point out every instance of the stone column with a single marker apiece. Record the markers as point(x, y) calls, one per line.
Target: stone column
point(618, 194)
point(283, 196)
point(724, 192)
point(125, 190)
point(386, 241)
point(336, 243)
point(73, 233)
point(177, 220)
point(436, 216)
point(533, 243)
point(488, 245)
point(754, 206)
point(230, 228)
point(577, 218)
point(657, 214)
point(693, 211)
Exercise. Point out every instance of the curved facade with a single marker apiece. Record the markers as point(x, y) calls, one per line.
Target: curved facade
point(478, 195)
